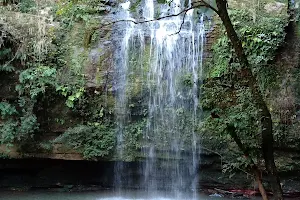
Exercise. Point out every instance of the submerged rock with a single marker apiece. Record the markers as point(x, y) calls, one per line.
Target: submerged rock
point(216, 195)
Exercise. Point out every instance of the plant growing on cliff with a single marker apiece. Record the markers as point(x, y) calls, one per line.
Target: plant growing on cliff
point(225, 94)
point(249, 80)
point(260, 41)
point(133, 139)
point(93, 141)
point(35, 81)
point(17, 127)
point(82, 10)
point(6, 109)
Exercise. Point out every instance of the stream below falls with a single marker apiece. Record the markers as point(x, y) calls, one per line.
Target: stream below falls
point(106, 195)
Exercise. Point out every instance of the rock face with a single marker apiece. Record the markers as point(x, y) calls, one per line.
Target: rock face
point(90, 48)
point(275, 7)
point(61, 167)
point(58, 151)
point(49, 173)
point(86, 51)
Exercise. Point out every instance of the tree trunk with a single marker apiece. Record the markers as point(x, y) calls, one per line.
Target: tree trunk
point(257, 175)
point(266, 120)
point(253, 167)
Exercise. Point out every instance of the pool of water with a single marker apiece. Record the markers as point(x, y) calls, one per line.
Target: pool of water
point(46, 195)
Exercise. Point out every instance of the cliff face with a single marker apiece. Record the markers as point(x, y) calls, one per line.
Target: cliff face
point(57, 96)
point(55, 75)
point(64, 81)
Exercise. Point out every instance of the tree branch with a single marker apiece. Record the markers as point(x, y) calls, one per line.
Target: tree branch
point(184, 11)
point(182, 22)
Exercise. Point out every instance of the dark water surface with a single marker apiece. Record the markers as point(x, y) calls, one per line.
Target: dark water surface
point(133, 195)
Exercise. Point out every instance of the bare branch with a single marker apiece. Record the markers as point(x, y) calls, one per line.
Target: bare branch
point(182, 22)
point(184, 11)
point(153, 20)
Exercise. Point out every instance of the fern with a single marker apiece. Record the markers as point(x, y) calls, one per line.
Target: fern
point(7, 68)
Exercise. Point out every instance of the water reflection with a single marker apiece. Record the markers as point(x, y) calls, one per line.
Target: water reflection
point(107, 195)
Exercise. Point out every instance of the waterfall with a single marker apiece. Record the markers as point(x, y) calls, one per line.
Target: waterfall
point(166, 56)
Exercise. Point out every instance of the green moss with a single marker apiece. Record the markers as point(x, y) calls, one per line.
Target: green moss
point(133, 140)
point(135, 5)
point(138, 69)
point(162, 1)
point(88, 36)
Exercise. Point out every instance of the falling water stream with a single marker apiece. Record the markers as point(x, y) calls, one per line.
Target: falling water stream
point(167, 55)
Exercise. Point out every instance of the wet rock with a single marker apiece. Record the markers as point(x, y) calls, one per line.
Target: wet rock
point(106, 43)
point(216, 195)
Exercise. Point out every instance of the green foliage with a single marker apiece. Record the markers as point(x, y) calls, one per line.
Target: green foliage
point(96, 108)
point(133, 139)
point(18, 126)
point(8, 132)
point(5, 54)
point(260, 40)
point(53, 61)
point(73, 94)
point(34, 81)
point(21, 131)
point(7, 68)
point(4, 156)
point(162, 1)
point(7, 109)
point(227, 98)
point(222, 54)
point(233, 107)
point(80, 10)
point(46, 146)
point(24, 6)
point(27, 126)
point(287, 162)
point(135, 5)
point(27, 6)
point(71, 78)
point(187, 80)
point(241, 163)
point(7, 127)
point(92, 141)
